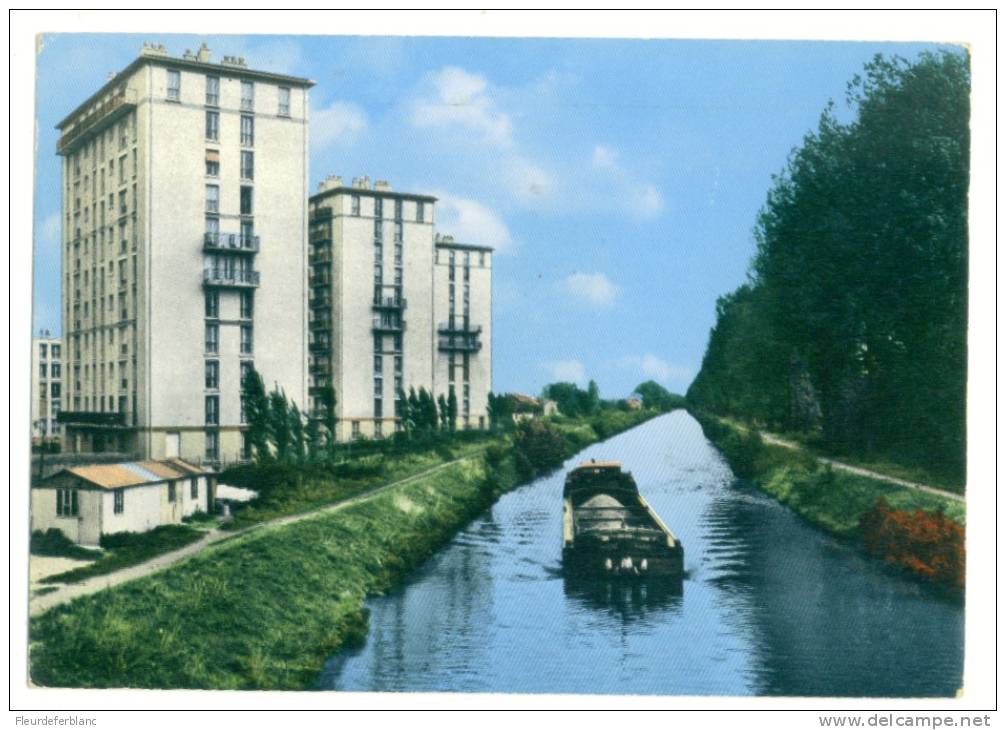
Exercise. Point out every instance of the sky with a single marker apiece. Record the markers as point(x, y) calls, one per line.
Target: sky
point(618, 180)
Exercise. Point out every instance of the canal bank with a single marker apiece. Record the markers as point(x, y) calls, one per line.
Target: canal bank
point(264, 610)
point(846, 504)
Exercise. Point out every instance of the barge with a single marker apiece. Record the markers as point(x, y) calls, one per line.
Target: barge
point(610, 530)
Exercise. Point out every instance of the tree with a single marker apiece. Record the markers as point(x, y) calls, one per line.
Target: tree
point(500, 410)
point(297, 443)
point(452, 411)
point(856, 310)
point(256, 407)
point(444, 413)
point(313, 438)
point(657, 397)
point(279, 423)
point(328, 402)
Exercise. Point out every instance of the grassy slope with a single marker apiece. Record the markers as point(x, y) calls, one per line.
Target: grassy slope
point(831, 499)
point(265, 609)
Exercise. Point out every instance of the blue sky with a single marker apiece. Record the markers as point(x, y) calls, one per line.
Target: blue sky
point(618, 180)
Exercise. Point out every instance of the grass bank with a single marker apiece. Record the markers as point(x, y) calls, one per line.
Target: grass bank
point(835, 500)
point(831, 499)
point(265, 609)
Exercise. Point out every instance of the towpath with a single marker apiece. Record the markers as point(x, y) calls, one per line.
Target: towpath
point(67, 592)
point(776, 441)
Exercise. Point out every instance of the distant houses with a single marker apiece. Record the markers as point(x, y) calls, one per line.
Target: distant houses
point(86, 502)
point(525, 407)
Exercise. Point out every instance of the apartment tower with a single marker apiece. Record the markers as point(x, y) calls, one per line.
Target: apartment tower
point(380, 278)
point(46, 388)
point(184, 253)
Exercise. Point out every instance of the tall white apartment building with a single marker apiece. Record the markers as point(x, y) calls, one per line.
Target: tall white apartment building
point(184, 253)
point(391, 307)
point(46, 388)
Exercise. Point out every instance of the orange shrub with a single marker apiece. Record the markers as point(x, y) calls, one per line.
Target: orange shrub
point(927, 543)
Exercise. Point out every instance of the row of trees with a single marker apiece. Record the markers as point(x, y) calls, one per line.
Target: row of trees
point(278, 428)
point(853, 323)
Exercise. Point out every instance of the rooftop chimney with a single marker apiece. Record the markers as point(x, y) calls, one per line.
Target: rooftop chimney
point(363, 183)
point(203, 54)
point(153, 49)
point(382, 185)
point(330, 183)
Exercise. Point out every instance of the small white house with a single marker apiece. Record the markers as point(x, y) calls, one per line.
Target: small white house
point(86, 502)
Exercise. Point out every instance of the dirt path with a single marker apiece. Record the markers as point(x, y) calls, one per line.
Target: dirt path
point(776, 441)
point(67, 592)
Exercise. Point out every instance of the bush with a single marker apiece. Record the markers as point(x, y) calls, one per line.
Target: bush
point(540, 447)
point(927, 543)
point(54, 543)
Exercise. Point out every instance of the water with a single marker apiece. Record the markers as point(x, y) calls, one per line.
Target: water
point(769, 606)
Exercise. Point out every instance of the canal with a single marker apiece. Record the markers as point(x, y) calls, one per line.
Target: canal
point(769, 606)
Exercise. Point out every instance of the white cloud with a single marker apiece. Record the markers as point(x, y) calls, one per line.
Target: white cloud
point(339, 122)
point(455, 97)
point(470, 221)
point(571, 371)
point(596, 289)
point(640, 198)
point(655, 368)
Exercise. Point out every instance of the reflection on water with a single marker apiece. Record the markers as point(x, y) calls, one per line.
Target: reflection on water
point(768, 605)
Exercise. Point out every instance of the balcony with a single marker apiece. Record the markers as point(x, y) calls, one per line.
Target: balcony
point(448, 328)
point(389, 302)
point(230, 243)
point(230, 279)
point(320, 301)
point(383, 324)
point(321, 346)
point(96, 119)
point(321, 323)
point(322, 279)
point(322, 256)
point(459, 344)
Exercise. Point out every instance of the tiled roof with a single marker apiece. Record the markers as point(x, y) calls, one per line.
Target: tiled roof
point(133, 473)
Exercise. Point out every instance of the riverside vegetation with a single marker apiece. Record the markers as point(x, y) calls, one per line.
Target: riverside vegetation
point(266, 608)
point(911, 529)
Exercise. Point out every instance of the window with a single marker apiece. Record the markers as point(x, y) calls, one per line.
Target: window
point(174, 85)
point(212, 445)
point(212, 198)
point(55, 352)
point(246, 339)
point(213, 126)
point(54, 389)
point(420, 211)
point(378, 207)
point(247, 165)
point(212, 374)
point(247, 130)
point(398, 232)
point(378, 408)
point(43, 369)
point(355, 204)
point(398, 210)
point(213, 163)
point(356, 429)
point(212, 410)
point(172, 492)
point(247, 305)
point(212, 91)
point(43, 349)
point(212, 337)
point(247, 96)
point(246, 199)
point(194, 488)
point(66, 503)
point(122, 171)
point(212, 306)
point(119, 501)
point(378, 363)
point(247, 366)
point(284, 102)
